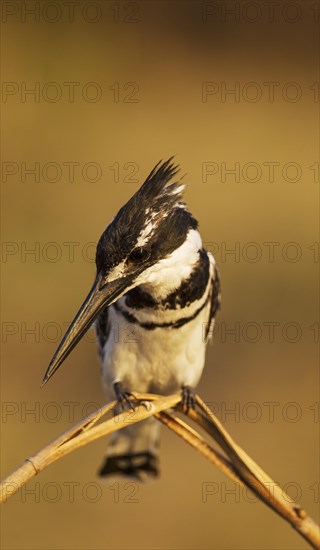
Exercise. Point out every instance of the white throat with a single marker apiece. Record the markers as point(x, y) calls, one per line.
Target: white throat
point(167, 275)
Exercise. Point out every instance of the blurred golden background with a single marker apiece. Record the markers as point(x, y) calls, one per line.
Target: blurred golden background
point(92, 97)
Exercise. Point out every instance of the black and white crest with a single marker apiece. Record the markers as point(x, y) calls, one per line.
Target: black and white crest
point(154, 221)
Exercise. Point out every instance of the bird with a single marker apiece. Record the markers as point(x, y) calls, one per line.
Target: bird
point(153, 303)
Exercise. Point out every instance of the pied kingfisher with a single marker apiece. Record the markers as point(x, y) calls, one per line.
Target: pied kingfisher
point(155, 277)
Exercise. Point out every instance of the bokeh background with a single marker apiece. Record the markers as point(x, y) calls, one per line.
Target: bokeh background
point(118, 86)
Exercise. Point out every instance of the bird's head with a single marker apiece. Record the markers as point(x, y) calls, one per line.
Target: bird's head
point(140, 244)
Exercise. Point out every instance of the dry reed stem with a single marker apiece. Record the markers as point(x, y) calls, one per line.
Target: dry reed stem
point(238, 466)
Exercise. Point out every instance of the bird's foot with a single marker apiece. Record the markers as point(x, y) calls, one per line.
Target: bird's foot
point(125, 399)
point(188, 399)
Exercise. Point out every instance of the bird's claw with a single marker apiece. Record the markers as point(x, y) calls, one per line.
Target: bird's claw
point(124, 399)
point(188, 399)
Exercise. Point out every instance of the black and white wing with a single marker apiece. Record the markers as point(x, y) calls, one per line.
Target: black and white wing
point(102, 326)
point(215, 302)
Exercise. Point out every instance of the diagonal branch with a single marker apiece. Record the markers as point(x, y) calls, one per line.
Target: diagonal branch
point(200, 444)
point(256, 479)
point(81, 434)
point(237, 464)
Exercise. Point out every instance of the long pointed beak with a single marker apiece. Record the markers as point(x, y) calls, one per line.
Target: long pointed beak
point(99, 297)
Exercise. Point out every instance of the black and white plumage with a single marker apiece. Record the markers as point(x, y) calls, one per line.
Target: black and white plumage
point(155, 296)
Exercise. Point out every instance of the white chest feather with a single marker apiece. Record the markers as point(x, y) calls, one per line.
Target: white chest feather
point(161, 359)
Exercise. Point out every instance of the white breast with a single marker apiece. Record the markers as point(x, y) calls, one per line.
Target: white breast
point(159, 360)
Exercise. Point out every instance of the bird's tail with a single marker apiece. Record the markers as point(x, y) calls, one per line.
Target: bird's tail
point(133, 452)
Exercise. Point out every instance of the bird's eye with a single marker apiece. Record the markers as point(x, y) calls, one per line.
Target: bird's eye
point(139, 255)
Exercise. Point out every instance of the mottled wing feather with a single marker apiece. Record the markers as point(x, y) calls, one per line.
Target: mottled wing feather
point(102, 326)
point(215, 301)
